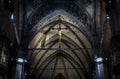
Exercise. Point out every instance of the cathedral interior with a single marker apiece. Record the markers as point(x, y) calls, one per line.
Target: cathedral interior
point(59, 39)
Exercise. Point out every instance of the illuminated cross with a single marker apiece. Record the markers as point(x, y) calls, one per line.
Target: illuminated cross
point(59, 33)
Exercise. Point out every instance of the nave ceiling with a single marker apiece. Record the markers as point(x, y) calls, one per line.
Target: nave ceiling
point(59, 37)
point(61, 42)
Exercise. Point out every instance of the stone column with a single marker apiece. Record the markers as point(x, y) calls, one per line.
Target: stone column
point(18, 65)
point(102, 69)
point(99, 69)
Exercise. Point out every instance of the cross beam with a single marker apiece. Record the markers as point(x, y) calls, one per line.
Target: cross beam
point(59, 33)
point(60, 48)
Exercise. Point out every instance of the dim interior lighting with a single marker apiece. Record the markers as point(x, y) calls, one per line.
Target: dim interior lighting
point(100, 59)
point(25, 61)
point(106, 58)
point(25, 73)
point(107, 17)
point(20, 60)
point(9, 1)
point(12, 17)
point(110, 1)
point(12, 59)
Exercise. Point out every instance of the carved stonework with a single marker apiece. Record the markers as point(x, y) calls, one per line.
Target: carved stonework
point(73, 8)
point(3, 51)
point(3, 56)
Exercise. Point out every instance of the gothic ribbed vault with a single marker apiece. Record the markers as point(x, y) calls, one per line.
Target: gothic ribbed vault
point(59, 39)
point(61, 46)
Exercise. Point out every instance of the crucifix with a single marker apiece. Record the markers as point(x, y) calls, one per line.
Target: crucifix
point(59, 33)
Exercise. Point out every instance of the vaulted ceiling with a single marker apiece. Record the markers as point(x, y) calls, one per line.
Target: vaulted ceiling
point(62, 36)
point(60, 39)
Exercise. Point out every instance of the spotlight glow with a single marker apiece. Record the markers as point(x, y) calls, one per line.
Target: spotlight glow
point(20, 60)
point(107, 17)
point(99, 59)
point(12, 17)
